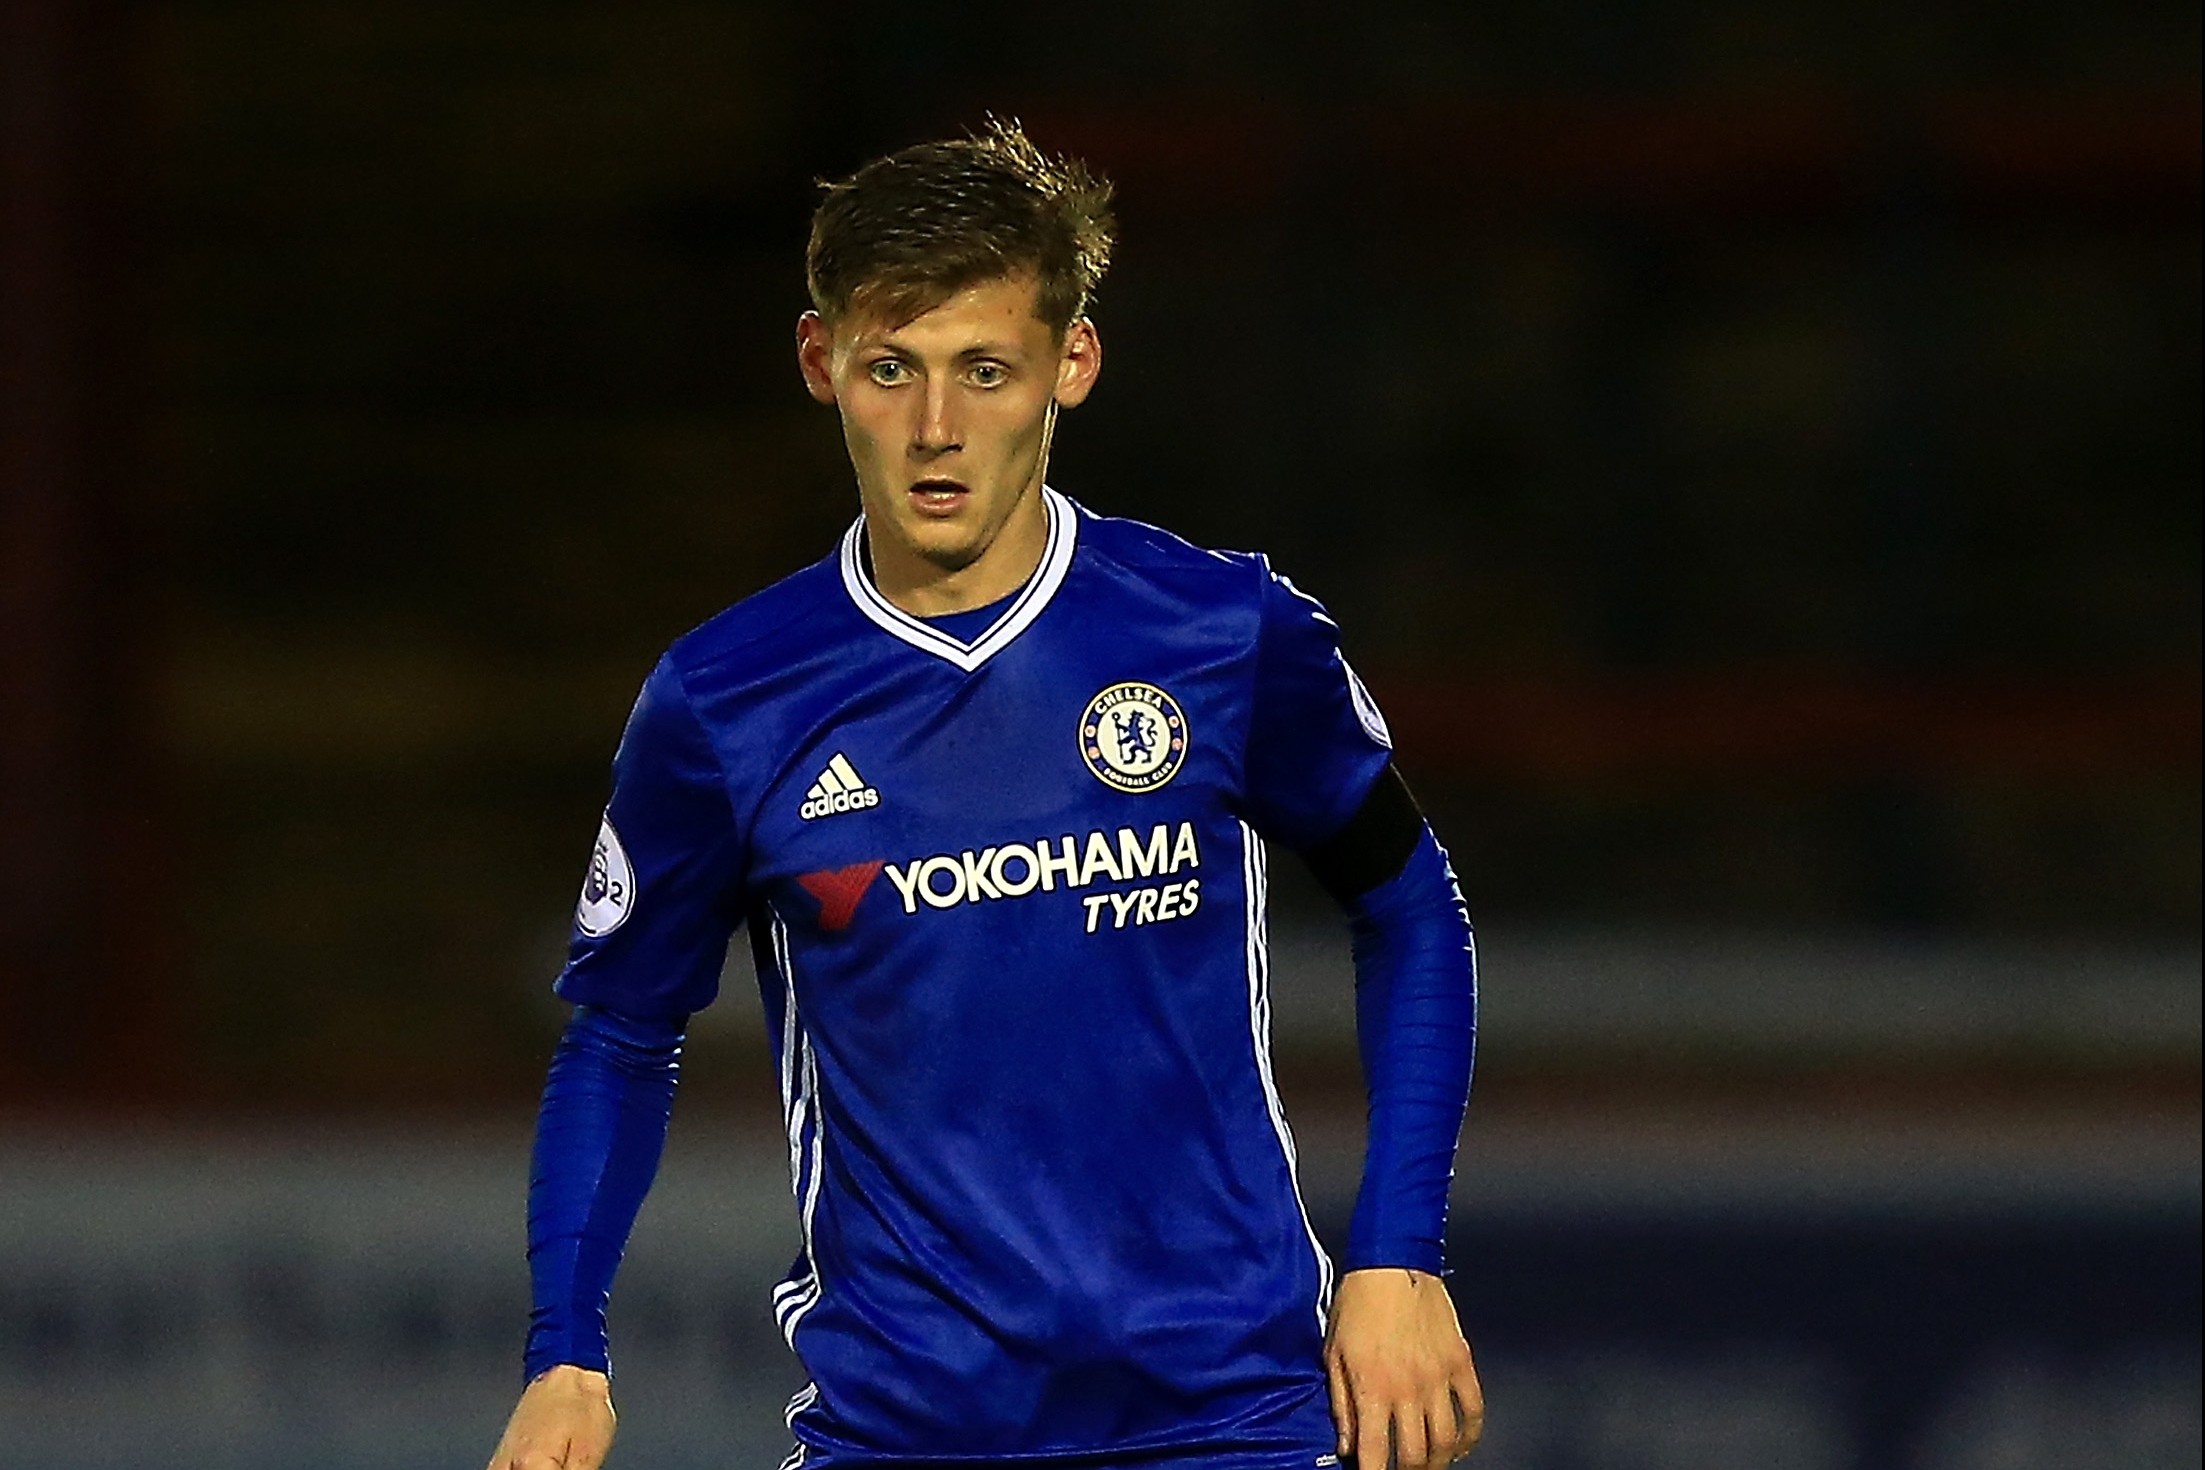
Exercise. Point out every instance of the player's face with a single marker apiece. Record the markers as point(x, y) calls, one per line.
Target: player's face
point(947, 418)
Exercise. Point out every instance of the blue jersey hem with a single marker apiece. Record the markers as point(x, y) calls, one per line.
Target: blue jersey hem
point(1314, 1457)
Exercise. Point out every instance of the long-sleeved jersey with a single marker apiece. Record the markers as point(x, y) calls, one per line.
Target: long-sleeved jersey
point(1004, 878)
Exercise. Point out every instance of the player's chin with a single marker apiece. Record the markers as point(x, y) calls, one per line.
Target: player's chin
point(932, 536)
point(948, 540)
point(949, 553)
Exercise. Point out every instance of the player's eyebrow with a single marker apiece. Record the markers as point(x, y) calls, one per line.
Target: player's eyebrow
point(891, 344)
point(976, 352)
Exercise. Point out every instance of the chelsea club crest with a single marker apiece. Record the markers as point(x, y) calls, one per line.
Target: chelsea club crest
point(1134, 736)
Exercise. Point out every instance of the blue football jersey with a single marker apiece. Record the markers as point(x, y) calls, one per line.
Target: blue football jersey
point(1006, 895)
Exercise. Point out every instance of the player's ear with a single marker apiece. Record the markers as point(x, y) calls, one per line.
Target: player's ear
point(815, 347)
point(1079, 364)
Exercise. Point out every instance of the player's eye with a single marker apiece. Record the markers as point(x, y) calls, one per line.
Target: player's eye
point(887, 372)
point(988, 374)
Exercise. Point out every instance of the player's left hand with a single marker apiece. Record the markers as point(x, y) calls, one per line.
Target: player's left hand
point(1405, 1392)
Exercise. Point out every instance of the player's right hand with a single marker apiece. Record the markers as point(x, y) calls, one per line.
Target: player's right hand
point(564, 1421)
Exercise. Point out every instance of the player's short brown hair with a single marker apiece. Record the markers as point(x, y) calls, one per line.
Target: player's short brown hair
point(906, 232)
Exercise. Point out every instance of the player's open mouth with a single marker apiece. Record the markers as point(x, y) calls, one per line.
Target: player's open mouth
point(938, 497)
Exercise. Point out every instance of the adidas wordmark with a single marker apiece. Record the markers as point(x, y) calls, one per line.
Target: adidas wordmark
point(839, 789)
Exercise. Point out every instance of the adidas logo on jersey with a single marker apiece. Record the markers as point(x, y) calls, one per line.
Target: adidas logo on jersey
point(839, 789)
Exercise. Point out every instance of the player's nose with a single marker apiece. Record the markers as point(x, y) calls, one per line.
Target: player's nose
point(937, 430)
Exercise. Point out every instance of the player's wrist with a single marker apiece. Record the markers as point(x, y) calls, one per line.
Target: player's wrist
point(568, 1357)
point(1403, 1255)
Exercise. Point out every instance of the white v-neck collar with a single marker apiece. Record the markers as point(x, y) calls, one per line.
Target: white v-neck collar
point(1056, 560)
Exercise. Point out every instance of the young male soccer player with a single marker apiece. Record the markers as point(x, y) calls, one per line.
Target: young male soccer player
point(991, 788)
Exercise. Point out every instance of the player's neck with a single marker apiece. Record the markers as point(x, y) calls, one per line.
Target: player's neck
point(926, 589)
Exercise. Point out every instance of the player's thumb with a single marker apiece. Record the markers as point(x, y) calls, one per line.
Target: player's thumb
point(560, 1456)
point(586, 1451)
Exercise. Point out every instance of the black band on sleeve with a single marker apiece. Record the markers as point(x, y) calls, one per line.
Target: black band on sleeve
point(1375, 843)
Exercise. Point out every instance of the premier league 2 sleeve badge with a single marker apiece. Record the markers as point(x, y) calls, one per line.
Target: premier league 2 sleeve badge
point(608, 892)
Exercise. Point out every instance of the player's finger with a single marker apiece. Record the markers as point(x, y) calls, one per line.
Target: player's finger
point(1343, 1405)
point(1469, 1405)
point(1450, 1434)
point(1411, 1444)
point(1373, 1438)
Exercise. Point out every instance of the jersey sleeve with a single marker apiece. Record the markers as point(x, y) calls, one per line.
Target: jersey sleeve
point(1316, 741)
point(663, 892)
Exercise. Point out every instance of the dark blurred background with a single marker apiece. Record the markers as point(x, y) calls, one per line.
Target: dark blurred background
point(1754, 451)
